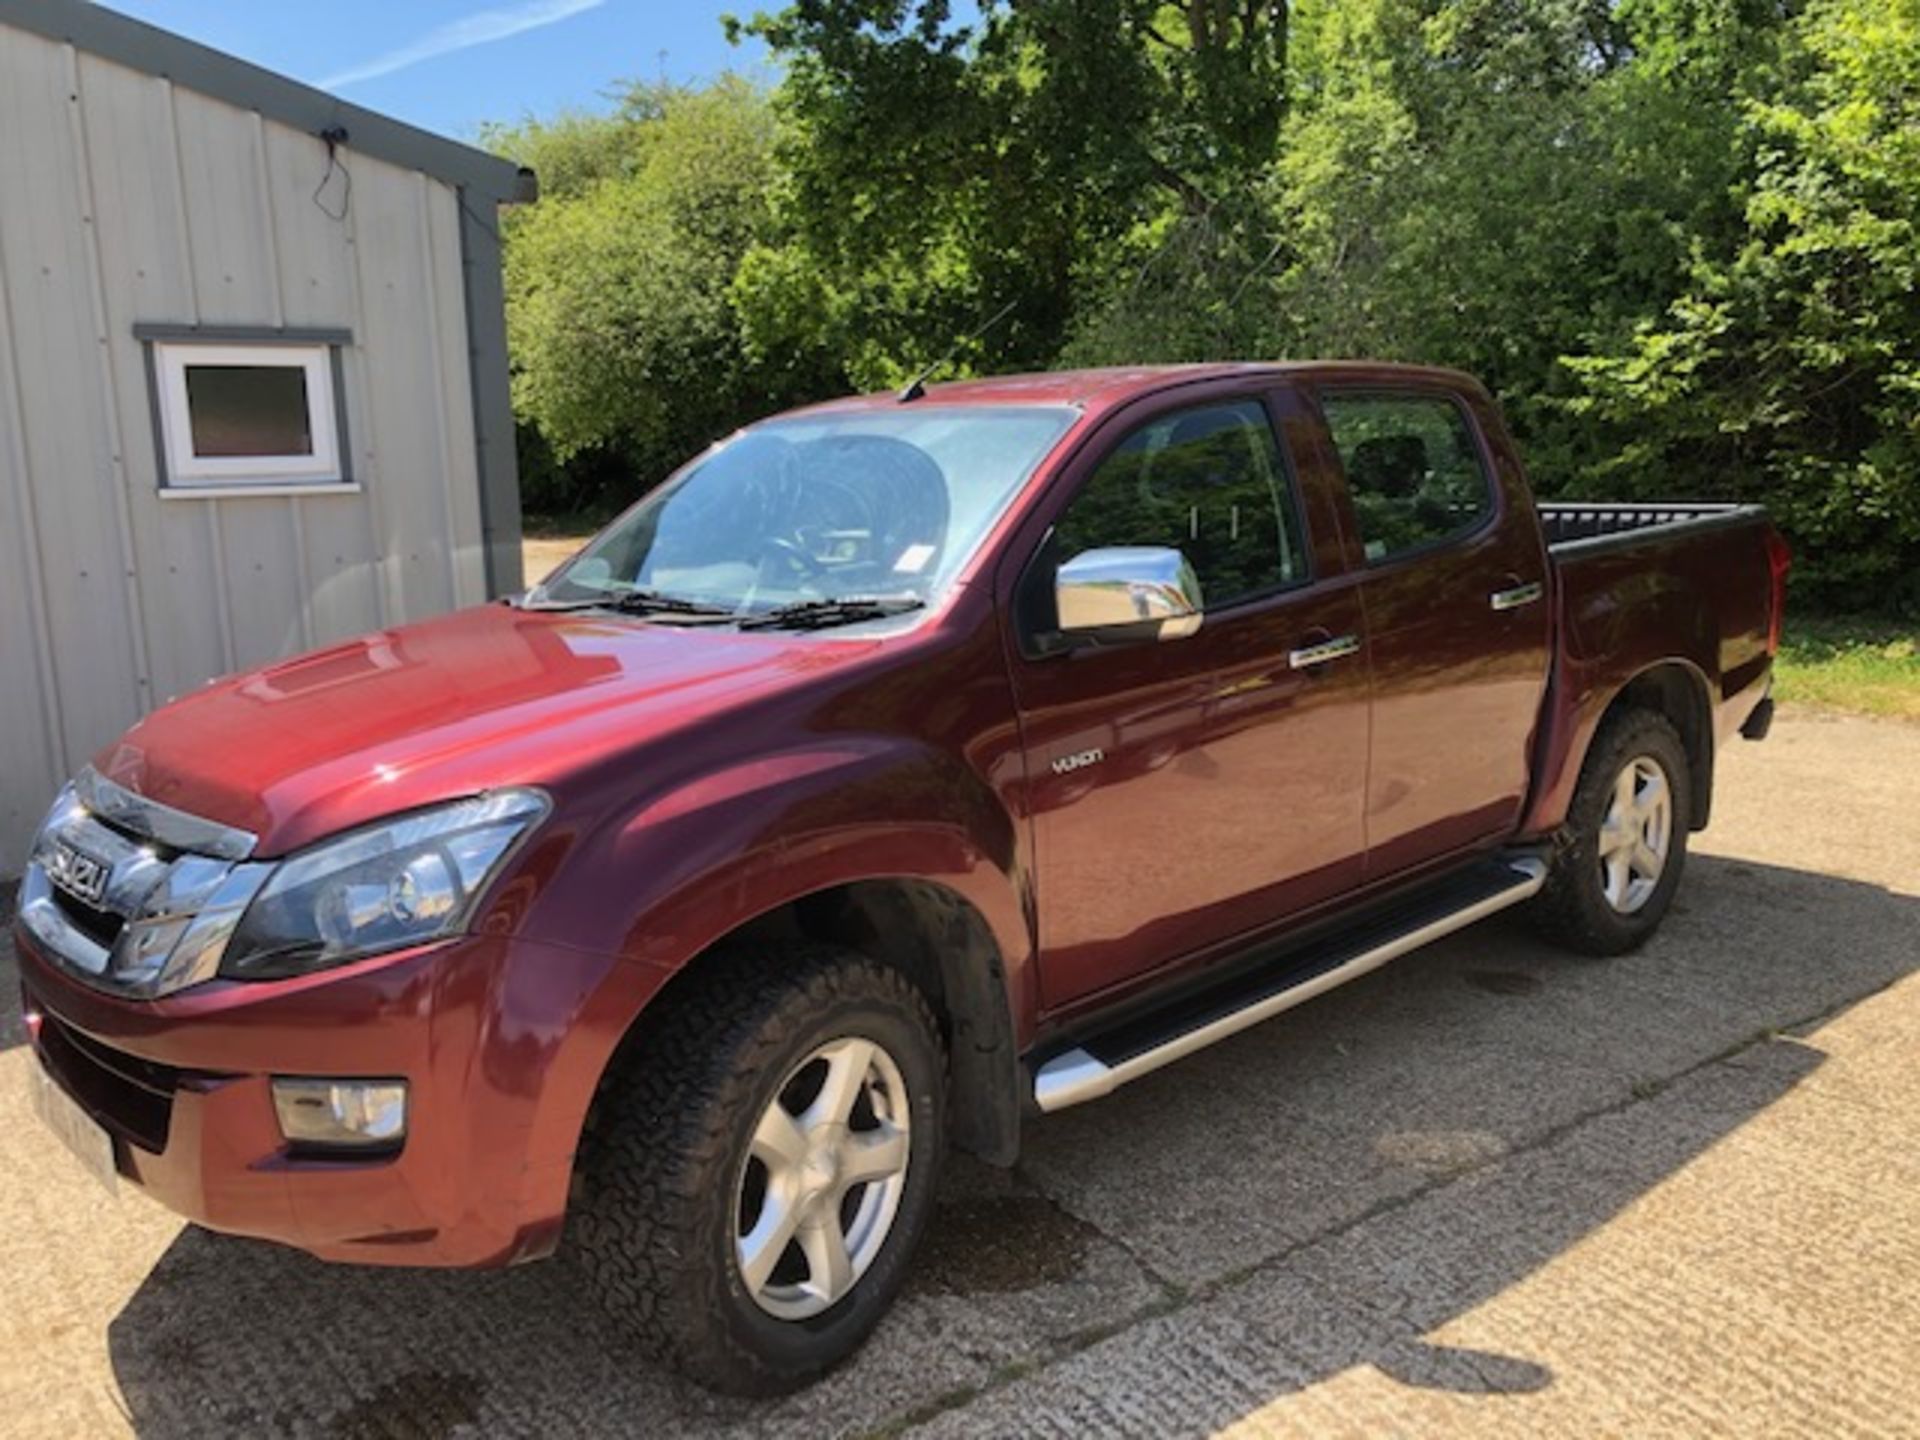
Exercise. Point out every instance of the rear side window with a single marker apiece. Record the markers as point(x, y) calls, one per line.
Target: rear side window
point(1207, 481)
point(1413, 470)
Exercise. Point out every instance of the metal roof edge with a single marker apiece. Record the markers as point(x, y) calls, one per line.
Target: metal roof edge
point(140, 46)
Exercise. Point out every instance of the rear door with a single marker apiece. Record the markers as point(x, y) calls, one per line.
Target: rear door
point(1186, 791)
point(1457, 620)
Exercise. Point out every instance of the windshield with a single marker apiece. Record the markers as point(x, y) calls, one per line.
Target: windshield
point(860, 505)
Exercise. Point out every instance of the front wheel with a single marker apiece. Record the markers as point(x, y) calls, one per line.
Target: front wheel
point(1617, 860)
point(759, 1172)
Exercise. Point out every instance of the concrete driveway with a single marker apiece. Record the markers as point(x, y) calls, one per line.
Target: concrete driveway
point(1490, 1189)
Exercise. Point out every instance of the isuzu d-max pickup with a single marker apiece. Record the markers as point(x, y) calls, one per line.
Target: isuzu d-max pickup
point(903, 766)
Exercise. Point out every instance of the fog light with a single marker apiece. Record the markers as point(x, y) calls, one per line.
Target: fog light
point(358, 1114)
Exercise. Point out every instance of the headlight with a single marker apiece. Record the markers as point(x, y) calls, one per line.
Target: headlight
point(394, 884)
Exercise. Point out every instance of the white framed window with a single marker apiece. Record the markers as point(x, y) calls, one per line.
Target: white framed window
point(247, 414)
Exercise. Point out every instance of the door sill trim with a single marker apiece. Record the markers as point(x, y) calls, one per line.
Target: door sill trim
point(1076, 1076)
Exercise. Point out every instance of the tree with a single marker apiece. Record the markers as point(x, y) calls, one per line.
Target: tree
point(623, 332)
point(1488, 184)
point(936, 170)
point(1788, 369)
point(1676, 237)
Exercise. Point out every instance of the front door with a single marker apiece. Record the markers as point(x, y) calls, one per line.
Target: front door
point(1457, 622)
point(1187, 791)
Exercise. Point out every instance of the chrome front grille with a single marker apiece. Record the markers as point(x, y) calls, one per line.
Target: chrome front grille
point(132, 896)
point(103, 927)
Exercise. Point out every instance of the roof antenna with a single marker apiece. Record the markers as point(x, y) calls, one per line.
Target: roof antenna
point(917, 386)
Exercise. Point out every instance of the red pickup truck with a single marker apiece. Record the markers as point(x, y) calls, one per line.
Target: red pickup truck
point(903, 766)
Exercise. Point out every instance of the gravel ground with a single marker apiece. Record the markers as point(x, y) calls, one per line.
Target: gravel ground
point(1491, 1189)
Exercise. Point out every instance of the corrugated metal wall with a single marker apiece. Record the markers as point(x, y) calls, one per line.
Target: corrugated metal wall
point(124, 200)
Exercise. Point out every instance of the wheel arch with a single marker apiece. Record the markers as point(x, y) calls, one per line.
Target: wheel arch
point(1676, 690)
point(931, 933)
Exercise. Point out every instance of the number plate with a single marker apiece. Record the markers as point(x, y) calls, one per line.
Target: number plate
point(60, 1113)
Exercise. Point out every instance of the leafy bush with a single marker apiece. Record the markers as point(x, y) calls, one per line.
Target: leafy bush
point(625, 339)
point(1788, 367)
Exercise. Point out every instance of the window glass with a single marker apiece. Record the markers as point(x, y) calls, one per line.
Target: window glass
point(858, 502)
point(1413, 470)
point(242, 412)
point(1208, 482)
point(249, 410)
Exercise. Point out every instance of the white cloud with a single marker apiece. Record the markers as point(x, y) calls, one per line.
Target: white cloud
point(482, 27)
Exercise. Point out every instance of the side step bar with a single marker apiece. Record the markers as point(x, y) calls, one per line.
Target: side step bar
point(1103, 1063)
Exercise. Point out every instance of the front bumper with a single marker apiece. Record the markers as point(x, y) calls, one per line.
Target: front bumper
point(501, 1041)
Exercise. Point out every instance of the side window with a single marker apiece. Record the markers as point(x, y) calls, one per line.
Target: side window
point(1207, 481)
point(1413, 470)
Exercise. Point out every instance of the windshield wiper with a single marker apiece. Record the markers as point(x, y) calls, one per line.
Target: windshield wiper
point(654, 602)
point(818, 614)
point(640, 602)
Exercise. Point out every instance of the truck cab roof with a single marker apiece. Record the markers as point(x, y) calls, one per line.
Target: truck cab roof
point(1109, 387)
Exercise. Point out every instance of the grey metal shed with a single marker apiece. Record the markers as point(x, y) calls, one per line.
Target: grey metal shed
point(253, 379)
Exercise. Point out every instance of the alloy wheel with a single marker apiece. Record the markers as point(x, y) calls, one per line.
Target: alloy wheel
point(1636, 837)
point(822, 1179)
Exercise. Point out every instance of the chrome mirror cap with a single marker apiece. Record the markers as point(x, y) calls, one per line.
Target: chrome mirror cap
point(1128, 591)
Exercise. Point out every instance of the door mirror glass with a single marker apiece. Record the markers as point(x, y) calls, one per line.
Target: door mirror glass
point(1128, 592)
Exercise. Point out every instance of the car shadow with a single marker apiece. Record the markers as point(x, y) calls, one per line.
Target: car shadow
point(1363, 1170)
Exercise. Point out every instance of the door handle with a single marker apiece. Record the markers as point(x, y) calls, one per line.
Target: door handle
point(1516, 597)
point(1310, 655)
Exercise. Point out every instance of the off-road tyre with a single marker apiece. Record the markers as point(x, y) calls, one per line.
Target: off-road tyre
point(1572, 910)
point(653, 1222)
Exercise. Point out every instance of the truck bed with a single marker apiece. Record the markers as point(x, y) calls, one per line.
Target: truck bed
point(1639, 587)
point(1584, 527)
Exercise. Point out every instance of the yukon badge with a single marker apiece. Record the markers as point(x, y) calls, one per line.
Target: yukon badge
point(1067, 764)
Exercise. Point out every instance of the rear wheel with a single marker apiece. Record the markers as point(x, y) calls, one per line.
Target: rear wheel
point(1618, 859)
point(759, 1172)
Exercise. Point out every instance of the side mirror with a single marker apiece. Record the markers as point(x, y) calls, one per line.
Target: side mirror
point(1128, 592)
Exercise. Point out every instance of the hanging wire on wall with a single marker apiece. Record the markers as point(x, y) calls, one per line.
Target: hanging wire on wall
point(334, 136)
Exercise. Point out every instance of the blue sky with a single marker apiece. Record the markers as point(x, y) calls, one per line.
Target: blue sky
point(447, 65)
